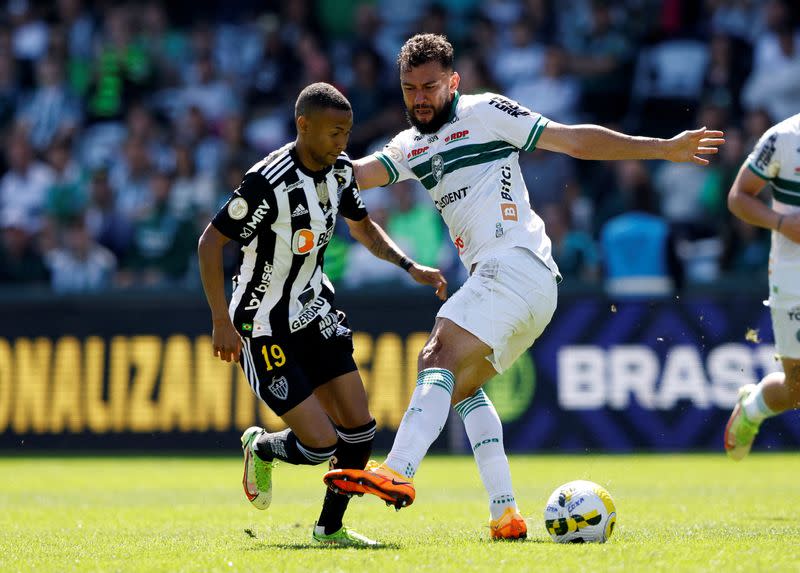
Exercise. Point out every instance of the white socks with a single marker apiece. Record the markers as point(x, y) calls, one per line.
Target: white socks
point(423, 421)
point(485, 434)
point(755, 409)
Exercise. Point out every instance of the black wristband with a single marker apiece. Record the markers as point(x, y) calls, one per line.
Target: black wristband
point(406, 263)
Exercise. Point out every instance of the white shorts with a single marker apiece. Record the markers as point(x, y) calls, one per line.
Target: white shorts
point(506, 303)
point(786, 327)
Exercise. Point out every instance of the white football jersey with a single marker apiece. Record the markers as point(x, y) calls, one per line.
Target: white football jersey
point(776, 158)
point(471, 170)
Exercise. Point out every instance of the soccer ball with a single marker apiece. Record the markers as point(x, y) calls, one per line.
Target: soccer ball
point(580, 511)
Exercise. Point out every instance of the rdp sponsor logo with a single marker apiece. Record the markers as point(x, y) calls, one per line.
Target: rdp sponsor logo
point(417, 152)
point(456, 136)
point(592, 377)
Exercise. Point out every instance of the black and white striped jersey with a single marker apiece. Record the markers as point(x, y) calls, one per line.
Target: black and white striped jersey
point(283, 215)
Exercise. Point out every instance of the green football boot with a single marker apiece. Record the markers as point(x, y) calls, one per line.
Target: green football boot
point(343, 538)
point(257, 479)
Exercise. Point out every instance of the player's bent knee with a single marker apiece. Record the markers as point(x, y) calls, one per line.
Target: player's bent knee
point(463, 391)
point(435, 354)
point(430, 353)
point(321, 437)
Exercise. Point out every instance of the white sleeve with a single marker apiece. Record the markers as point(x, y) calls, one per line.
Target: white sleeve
point(394, 157)
point(764, 160)
point(512, 122)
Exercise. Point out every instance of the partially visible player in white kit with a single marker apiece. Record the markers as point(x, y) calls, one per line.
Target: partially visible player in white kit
point(774, 163)
point(464, 150)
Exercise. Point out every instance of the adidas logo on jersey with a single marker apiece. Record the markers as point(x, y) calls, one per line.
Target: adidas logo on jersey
point(299, 210)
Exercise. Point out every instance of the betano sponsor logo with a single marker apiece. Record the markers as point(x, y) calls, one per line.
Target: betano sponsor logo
point(302, 241)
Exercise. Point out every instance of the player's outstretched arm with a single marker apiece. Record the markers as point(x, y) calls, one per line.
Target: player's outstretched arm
point(595, 142)
point(372, 236)
point(370, 172)
point(743, 203)
point(226, 341)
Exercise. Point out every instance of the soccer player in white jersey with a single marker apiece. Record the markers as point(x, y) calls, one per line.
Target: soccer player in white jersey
point(293, 345)
point(464, 150)
point(774, 163)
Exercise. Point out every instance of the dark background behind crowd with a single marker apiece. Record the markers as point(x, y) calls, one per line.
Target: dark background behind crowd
point(126, 125)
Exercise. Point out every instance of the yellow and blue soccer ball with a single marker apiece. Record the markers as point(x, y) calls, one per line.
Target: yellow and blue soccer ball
point(580, 511)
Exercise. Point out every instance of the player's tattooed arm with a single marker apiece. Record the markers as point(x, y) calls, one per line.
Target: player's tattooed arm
point(371, 235)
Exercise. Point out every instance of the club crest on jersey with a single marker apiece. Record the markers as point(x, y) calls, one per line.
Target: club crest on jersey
point(237, 208)
point(302, 241)
point(279, 387)
point(437, 167)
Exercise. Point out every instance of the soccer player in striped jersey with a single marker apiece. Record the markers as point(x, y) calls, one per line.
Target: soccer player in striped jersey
point(774, 163)
point(464, 150)
point(282, 326)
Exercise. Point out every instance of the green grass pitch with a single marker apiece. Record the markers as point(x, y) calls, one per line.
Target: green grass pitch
point(676, 513)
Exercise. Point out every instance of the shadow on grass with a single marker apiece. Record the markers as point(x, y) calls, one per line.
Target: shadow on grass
point(515, 541)
point(263, 545)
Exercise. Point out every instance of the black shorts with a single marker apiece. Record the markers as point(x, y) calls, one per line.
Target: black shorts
point(284, 370)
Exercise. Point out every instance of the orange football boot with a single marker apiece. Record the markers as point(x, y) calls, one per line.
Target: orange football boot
point(376, 479)
point(509, 526)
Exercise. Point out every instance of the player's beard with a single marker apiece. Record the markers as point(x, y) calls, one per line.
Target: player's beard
point(437, 121)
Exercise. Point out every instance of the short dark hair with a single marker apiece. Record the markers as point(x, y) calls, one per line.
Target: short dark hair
point(424, 48)
point(320, 96)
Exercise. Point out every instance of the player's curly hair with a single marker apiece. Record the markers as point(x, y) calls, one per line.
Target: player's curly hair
point(319, 96)
point(424, 48)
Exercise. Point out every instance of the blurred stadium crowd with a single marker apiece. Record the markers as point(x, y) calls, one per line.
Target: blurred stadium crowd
point(125, 126)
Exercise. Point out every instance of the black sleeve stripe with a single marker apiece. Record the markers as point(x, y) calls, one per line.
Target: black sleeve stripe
point(269, 160)
point(277, 167)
